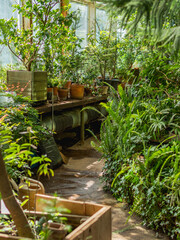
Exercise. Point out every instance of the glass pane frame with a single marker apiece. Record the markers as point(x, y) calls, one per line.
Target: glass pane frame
point(82, 30)
point(6, 57)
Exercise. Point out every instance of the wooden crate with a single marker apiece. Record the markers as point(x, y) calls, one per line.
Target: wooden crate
point(96, 227)
point(28, 83)
point(97, 218)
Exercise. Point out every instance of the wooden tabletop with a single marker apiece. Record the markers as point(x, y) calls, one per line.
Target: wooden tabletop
point(70, 103)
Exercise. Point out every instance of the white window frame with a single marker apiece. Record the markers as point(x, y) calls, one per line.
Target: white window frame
point(91, 21)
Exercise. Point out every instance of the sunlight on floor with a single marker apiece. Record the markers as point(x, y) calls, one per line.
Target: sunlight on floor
point(89, 184)
point(92, 165)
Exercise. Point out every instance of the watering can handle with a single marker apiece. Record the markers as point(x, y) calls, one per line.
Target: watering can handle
point(38, 183)
point(42, 190)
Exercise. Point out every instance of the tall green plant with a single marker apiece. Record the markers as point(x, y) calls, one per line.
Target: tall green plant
point(25, 131)
point(161, 17)
point(104, 51)
point(44, 39)
point(138, 168)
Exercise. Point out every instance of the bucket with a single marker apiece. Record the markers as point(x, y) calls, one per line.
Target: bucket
point(27, 191)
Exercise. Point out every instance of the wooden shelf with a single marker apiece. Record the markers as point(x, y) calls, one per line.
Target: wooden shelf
point(71, 103)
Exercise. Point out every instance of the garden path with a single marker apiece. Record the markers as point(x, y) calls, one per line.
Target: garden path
point(79, 180)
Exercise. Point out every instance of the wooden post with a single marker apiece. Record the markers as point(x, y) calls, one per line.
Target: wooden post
point(92, 18)
point(63, 4)
point(26, 22)
point(82, 127)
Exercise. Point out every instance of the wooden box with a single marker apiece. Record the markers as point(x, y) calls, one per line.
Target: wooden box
point(96, 224)
point(28, 83)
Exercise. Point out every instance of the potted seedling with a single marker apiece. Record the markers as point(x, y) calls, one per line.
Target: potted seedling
point(75, 72)
point(89, 74)
point(72, 65)
point(63, 88)
point(52, 88)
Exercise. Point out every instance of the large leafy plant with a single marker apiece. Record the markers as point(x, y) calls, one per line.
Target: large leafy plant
point(160, 17)
point(72, 62)
point(22, 124)
point(139, 142)
point(103, 51)
point(47, 27)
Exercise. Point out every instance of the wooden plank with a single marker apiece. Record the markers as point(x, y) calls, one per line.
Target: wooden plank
point(33, 83)
point(19, 85)
point(70, 103)
point(92, 208)
point(72, 219)
point(39, 85)
point(9, 237)
point(75, 207)
point(19, 75)
point(93, 227)
point(105, 225)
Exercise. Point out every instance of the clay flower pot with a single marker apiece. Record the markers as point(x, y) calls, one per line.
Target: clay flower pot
point(67, 84)
point(58, 231)
point(55, 91)
point(77, 91)
point(63, 93)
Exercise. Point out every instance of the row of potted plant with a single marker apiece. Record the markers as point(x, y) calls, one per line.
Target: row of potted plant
point(50, 45)
point(74, 90)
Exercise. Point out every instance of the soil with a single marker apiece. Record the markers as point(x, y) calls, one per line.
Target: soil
point(79, 180)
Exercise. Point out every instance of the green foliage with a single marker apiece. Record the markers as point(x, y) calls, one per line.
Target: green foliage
point(160, 17)
point(53, 82)
point(128, 52)
point(71, 61)
point(7, 225)
point(3, 74)
point(139, 141)
point(44, 40)
point(103, 52)
point(21, 132)
point(159, 68)
point(58, 46)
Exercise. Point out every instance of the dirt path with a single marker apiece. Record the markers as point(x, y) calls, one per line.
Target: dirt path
point(79, 180)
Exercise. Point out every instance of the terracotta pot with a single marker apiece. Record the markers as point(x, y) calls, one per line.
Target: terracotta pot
point(67, 85)
point(58, 231)
point(28, 191)
point(49, 93)
point(77, 91)
point(55, 91)
point(49, 89)
point(63, 93)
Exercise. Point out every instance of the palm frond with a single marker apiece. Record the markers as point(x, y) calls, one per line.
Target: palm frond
point(161, 15)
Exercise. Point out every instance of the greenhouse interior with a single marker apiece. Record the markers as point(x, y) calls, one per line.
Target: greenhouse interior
point(90, 119)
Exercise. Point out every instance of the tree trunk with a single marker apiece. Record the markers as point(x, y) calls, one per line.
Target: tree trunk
point(12, 205)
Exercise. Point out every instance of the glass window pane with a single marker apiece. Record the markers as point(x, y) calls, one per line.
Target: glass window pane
point(6, 57)
point(101, 21)
point(83, 24)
